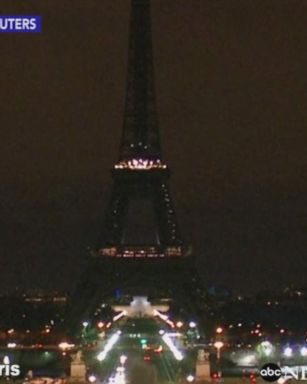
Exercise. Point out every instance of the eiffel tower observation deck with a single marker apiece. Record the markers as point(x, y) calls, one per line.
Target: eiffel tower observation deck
point(140, 219)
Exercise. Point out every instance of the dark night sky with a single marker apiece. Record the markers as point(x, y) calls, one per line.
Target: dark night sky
point(231, 89)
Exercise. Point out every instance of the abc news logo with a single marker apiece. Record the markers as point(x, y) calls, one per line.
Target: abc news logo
point(272, 372)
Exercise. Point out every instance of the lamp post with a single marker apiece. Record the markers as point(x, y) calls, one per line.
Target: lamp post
point(218, 345)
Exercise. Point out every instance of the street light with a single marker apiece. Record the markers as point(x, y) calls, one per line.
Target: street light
point(303, 351)
point(218, 345)
point(92, 378)
point(288, 352)
point(192, 324)
point(64, 345)
point(267, 348)
point(123, 359)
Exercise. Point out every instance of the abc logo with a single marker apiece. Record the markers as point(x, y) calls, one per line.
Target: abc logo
point(270, 372)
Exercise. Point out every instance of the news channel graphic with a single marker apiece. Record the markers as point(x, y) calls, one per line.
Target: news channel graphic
point(272, 372)
point(9, 370)
point(20, 24)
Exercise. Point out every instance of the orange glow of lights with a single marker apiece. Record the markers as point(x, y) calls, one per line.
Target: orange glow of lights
point(159, 349)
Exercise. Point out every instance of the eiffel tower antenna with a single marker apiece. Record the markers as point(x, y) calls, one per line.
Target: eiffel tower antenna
point(140, 136)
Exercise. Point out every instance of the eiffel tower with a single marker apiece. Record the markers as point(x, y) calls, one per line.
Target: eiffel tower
point(140, 249)
point(140, 195)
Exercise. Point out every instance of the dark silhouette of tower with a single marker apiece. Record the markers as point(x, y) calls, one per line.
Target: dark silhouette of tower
point(140, 249)
point(140, 219)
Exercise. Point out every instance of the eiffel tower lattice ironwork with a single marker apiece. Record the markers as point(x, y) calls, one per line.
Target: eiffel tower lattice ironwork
point(128, 260)
point(140, 177)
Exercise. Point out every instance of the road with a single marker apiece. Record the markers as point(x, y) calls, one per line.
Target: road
point(161, 369)
point(139, 353)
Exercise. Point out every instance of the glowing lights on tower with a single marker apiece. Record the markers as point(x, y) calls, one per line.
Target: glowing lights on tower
point(140, 164)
